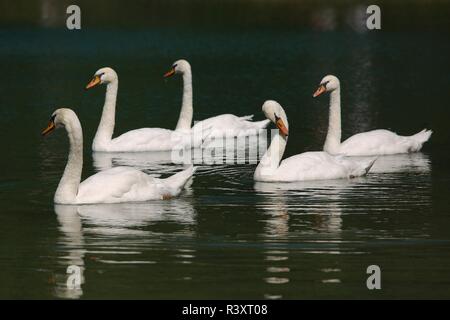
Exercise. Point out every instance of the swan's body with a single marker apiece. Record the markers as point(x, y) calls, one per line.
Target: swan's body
point(229, 125)
point(125, 184)
point(380, 142)
point(317, 165)
point(305, 166)
point(146, 139)
point(375, 142)
point(225, 125)
point(120, 184)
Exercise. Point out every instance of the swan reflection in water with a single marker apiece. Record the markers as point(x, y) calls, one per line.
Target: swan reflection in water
point(310, 210)
point(72, 241)
point(139, 160)
point(314, 211)
point(103, 231)
point(305, 198)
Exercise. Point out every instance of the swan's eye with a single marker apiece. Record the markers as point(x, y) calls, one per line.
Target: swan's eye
point(325, 83)
point(52, 118)
point(276, 117)
point(174, 66)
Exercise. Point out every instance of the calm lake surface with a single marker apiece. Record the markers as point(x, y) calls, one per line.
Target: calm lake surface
point(227, 237)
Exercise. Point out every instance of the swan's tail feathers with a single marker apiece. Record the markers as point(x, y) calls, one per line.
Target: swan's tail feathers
point(180, 179)
point(421, 137)
point(262, 124)
point(247, 118)
point(256, 124)
point(362, 168)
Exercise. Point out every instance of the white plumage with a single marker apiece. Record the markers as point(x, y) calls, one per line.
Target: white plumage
point(319, 165)
point(229, 125)
point(149, 139)
point(120, 184)
point(125, 184)
point(375, 142)
point(302, 167)
point(225, 125)
point(145, 139)
point(383, 142)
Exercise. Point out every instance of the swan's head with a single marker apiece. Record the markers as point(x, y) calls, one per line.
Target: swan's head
point(178, 67)
point(101, 76)
point(275, 113)
point(60, 118)
point(328, 83)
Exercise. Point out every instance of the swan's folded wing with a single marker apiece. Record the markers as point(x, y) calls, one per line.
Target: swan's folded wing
point(311, 166)
point(231, 125)
point(378, 141)
point(120, 184)
point(155, 139)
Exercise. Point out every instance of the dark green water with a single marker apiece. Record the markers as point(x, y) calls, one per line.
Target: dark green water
point(227, 237)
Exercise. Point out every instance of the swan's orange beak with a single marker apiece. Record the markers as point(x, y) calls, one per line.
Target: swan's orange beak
point(280, 125)
point(94, 82)
point(50, 127)
point(321, 89)
point(169, 73)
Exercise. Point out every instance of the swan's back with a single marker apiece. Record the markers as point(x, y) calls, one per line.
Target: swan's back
point(230, 125)
point(311, 166)
point(119, 184)
point(320, 166)
point(379, 142)
point(125, 184)
point(148, 139)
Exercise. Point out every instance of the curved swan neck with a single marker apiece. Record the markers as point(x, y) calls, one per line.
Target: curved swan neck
point(333, 140)
point(185, 119)
point(68, 185)
point(270, 161)
point(106, 127)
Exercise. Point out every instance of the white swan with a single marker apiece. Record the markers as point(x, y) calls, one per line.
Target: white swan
point(225, 125)
point(302, 167)
point(120, 184)
point(145, 139)
point(375, 142)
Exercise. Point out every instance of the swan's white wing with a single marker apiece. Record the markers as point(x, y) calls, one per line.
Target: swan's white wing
point(375, 142)
point(120, 184)
point(311, 166)
point(319, 166)
point(125, 184)
point(230, 125)
point(149, 139)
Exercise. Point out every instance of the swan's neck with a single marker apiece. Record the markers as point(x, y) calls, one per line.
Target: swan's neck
point(106, 127)
point(68, 185)
point(333, 140)
point(185, 119)
point(271, 159)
